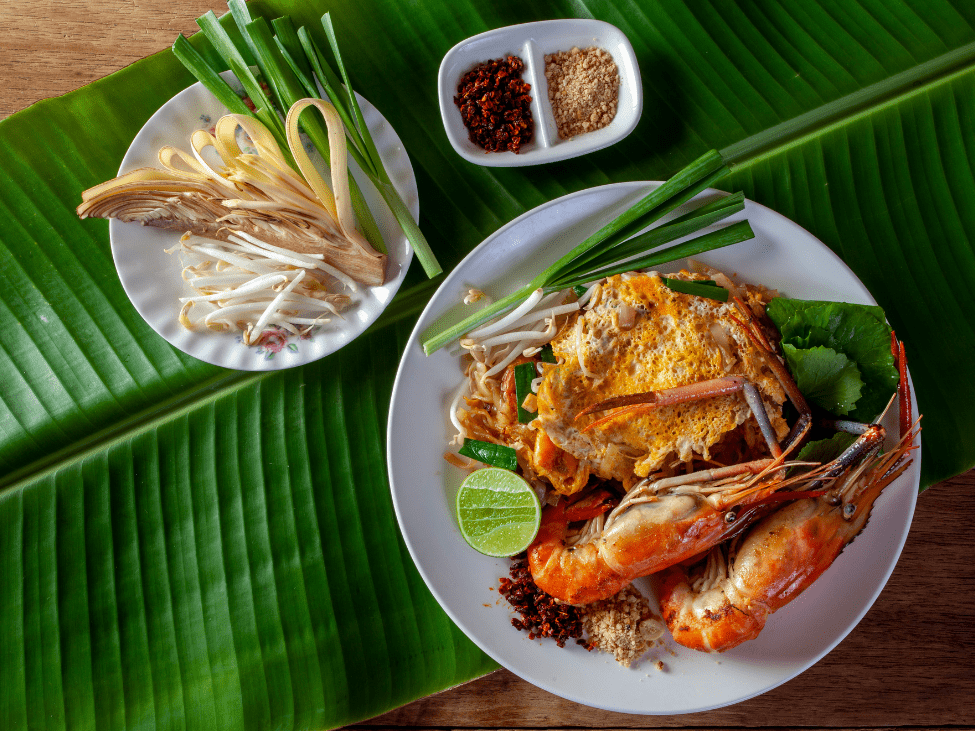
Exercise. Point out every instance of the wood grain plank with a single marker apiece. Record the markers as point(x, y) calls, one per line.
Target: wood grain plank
point(50, 47)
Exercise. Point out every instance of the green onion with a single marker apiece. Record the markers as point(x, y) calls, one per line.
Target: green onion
point(382, 180)
point(524, 375)
point(496, 455)
point(286, 36)
point(194, 61)
point(733, 234)
point(289, 62)
point(612, 249)
point(699, 289)
point(289, 90)
point(547, 354)
point(579, 290)
point(699, 218)
point(232, 56)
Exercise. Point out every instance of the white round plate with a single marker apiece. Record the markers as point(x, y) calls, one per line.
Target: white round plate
point(782, 255)
point(151, 277)
point(532, 42)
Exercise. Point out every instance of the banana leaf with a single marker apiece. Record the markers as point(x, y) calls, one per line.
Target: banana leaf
point(188, 547)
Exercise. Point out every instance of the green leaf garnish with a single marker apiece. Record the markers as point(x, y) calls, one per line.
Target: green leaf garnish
point(700, 289)
point(827, 378)
point(858, 331)
point(496, 455)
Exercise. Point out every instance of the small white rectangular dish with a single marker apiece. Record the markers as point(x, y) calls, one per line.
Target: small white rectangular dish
point(532, 42)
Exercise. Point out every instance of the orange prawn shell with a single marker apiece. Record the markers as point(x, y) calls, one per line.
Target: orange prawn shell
point(573, 574)
point(778, 560)
point(726, 626)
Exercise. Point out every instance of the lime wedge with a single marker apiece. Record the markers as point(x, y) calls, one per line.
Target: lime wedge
point(498, 512)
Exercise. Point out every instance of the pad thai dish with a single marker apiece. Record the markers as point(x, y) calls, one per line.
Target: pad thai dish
point(703, 432)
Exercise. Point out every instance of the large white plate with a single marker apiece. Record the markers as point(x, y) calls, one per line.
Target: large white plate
point(781, 255)
point(151, 277)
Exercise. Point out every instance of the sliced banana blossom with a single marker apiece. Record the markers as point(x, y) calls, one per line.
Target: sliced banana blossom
point(250, 196)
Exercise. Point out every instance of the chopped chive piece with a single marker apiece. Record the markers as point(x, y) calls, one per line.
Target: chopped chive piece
point(547, 354)
point(699, 289)
point(496, 455)
point(579, 290)
point(525, 373)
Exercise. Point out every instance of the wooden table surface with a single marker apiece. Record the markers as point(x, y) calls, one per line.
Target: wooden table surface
point(908, 663)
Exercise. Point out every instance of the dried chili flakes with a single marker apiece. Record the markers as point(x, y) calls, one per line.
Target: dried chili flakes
point(540, 614)
point(495, 105)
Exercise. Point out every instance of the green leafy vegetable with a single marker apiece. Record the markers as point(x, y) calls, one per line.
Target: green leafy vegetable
point(860, 332)
point(525, 373)
point(700, 289)
point(827, 378)
point(496, 455)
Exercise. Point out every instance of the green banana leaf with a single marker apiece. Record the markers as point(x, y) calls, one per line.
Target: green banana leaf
point(187, 547)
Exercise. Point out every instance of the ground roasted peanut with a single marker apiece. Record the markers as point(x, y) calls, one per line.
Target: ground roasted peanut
point(583, 88)
point(622, 625)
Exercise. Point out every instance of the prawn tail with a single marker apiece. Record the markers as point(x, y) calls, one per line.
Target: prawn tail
point(714, 619)
point(573, 574)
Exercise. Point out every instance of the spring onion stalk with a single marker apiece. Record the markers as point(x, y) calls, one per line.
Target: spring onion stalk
point(224, 45)
point(286, 36)
point(733, 234)
point(289, 90)
point(697, 176)
point(198, 66)
point(381, 178)
point(611, 249)
point(322, 71)
point(685, 225)
point(311, 91)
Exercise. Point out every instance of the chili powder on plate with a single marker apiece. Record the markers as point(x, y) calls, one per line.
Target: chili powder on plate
point(495, 105)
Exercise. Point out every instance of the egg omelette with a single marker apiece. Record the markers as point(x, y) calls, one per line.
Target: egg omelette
point(638, 335)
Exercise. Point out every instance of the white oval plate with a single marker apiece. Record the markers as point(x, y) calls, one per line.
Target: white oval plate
point(152, 280)
point(532, 41)
point(782, 255)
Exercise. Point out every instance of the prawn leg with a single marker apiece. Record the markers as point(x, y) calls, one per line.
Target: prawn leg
point(642, 402)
